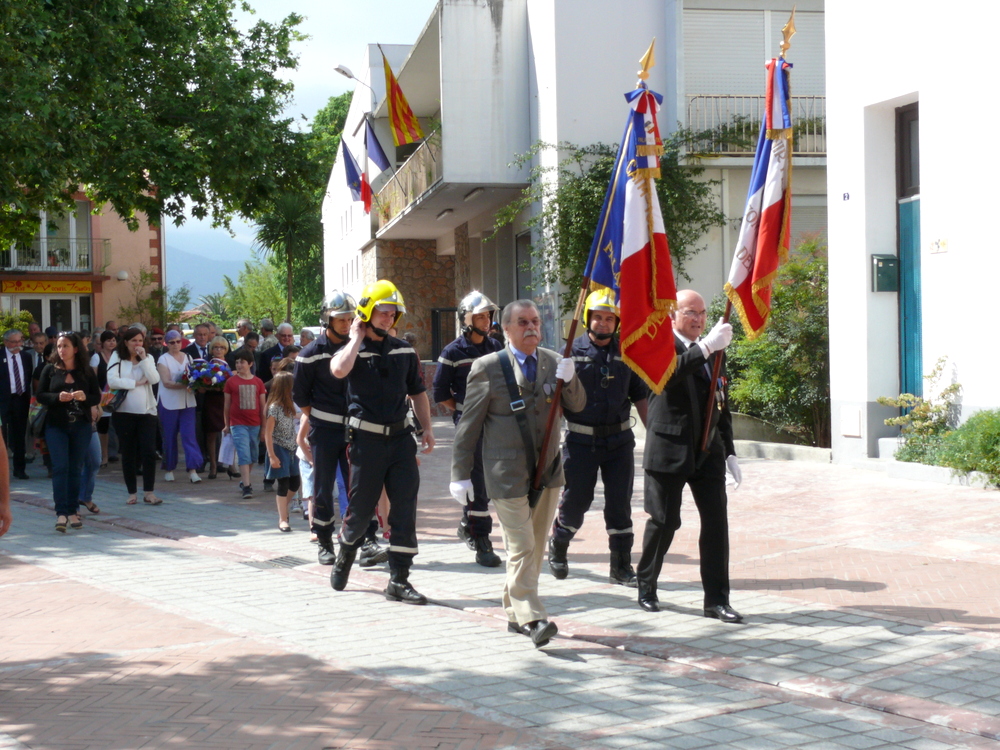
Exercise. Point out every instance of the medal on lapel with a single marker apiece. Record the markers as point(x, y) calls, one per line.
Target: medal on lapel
point(548, 388)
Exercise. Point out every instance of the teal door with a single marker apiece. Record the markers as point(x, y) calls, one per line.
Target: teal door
point(911, 372)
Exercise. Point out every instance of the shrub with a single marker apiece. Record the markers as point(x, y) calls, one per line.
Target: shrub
point(925, 421)
point(975, 446)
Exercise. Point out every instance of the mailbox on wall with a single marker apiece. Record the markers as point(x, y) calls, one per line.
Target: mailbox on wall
point(885, 273)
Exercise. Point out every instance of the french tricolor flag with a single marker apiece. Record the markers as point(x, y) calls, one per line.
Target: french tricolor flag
point(357, 180)
point(763, 240)
point(630, 253)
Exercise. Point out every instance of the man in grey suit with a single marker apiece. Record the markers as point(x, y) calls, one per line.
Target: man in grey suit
point(488, 412)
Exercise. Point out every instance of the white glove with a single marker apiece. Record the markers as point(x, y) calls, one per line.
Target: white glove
point(461, 490)
point(565, 370)
point(718, 338)
point(733, 467)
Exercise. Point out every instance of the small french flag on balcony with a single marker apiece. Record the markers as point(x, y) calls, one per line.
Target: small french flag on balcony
point(357, 180)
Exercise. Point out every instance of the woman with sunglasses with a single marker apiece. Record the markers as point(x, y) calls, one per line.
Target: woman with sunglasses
point(68, 387)
point(135, 422)
point(176, 408)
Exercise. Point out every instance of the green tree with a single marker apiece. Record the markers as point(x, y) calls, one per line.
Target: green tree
point(572, 193)
point(155, 107)
point(783, 376)
point(291, 230)
point(327, 127)
point(258, 292)
point(151, 304)
point(214, 306)
point(18, 319)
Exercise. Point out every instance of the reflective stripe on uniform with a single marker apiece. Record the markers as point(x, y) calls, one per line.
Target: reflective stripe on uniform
point(326, 416)
point(584, 429)
point(406, 550)
point(478, 513)
point(314, 358)
point(612, 532)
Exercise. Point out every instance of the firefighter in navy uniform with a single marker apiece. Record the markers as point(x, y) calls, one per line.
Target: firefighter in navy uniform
point(600, 438)
point(476, 314)
point(323, 401)
point(382, 372)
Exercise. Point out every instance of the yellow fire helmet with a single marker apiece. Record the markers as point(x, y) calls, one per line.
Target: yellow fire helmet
point(603, 300)
point(382, 292)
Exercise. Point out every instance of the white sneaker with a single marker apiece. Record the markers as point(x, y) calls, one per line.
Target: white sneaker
point(194, 477)
point(168, 477)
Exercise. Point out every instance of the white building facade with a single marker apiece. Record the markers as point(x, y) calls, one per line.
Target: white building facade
point(490, 79)
point(904, 192)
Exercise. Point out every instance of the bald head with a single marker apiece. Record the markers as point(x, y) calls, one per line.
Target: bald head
point(690, 316)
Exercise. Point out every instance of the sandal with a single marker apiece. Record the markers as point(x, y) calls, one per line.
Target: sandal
point(61, 522)
point(151, 499)
point(91, 506)
point(132, 500)
point(76, 524)
point(283, 526)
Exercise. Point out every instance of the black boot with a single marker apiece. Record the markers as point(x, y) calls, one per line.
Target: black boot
point(324, 538)
point(372, 553)
point(557, 558)
point(465, 534)
point(621, 569)
point(342, 567)
point(485, 555)
point(400, 590)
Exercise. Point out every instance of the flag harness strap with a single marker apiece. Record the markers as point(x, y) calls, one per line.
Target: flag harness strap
point(517, 405)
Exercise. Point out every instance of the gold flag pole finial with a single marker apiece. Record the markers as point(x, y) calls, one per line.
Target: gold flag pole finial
point(647, 61)
point(787, 31)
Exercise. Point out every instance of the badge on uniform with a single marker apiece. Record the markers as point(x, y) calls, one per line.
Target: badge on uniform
point(548, 389)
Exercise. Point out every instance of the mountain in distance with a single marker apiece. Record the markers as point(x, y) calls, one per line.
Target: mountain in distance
point(203, 275)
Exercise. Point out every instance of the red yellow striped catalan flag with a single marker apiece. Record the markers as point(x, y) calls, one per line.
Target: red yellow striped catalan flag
point(405, 127)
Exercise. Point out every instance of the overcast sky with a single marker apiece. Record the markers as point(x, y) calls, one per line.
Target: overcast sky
point(338, 31)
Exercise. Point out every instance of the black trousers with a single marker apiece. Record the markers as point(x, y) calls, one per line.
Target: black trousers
point(137, 442)
point(15, 425)
point(329, 447)
point(662, 499)
point(378, 461)
point(476, 512)
point(581, 462)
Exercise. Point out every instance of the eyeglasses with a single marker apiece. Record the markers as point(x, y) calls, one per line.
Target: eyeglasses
point(694, 313)
point(606, 377)
point(174, 341)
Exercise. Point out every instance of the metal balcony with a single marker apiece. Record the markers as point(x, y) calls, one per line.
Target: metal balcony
point(733, 124)
point(57, 255)
point(413, 179)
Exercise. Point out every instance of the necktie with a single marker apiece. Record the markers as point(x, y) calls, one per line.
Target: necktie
point(529, 369)
point(18, 384)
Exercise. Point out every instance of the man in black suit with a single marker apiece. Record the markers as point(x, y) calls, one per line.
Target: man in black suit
point(286, 338)
point(15, 396)
point(199, 349)
point(673, 458)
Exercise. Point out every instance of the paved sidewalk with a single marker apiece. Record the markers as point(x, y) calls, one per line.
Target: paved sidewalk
point(872, 608)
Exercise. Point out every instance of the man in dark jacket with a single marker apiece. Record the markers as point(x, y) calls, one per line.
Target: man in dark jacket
point(674, 458)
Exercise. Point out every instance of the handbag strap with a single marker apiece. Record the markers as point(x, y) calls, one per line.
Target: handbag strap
point(517, 405)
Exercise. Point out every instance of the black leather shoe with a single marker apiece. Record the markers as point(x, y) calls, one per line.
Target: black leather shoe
point(557, 558)
point(621, 571)
point(513, 627)
point(402, 591)
point(723, 612)
point(20, 475)
point(325, 555)
point(648, 600)
point(372, 554)
point(465, 535)
point(540, 632)
point(342, 567)
point(485, 555)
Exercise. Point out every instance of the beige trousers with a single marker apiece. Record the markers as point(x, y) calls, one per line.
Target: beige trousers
point(525, 532)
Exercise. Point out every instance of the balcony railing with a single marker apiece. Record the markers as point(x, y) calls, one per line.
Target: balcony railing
point(56, 255)
point(731, 124)
point(411, 180)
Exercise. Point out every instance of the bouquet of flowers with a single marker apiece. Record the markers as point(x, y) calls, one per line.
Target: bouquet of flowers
point(206, 376)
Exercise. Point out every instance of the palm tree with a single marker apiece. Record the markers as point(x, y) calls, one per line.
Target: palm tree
point(292, 226)
point(214, 305)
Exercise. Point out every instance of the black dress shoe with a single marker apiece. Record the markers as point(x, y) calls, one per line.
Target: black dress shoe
point(513, 627)
point(648, 600)
point(540, 632)
point(401, 591)
point(342, 567)
point(723, 612)
point(20, 475)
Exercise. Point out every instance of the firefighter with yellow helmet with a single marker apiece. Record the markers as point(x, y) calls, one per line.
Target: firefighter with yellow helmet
point(600, 438)
point(382, 372)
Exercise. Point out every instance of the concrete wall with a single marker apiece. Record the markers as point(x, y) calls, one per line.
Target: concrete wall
point(958, 264)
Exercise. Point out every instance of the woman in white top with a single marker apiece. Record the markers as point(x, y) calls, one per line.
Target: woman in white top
point(135, 420)
point(177, 409)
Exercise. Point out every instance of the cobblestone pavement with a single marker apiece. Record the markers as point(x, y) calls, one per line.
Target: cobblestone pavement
point(872, 605)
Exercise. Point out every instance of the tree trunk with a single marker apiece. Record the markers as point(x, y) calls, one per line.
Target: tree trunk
point(288, 304)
